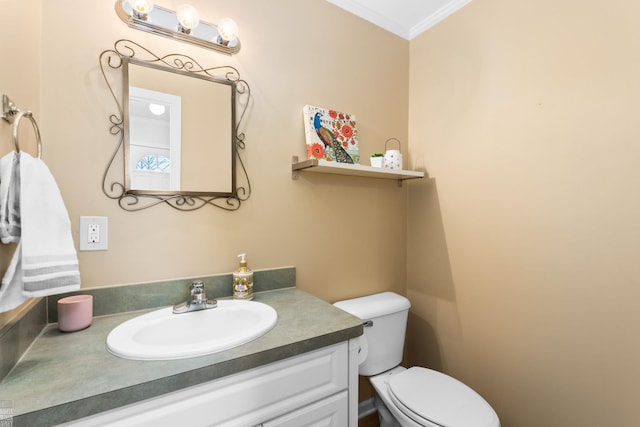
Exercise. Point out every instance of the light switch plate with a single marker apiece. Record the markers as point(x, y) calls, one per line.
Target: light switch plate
point(94, 233)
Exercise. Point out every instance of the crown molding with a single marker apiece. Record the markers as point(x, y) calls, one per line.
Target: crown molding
point(439, 15)
point(373, 16)
point(388, 23)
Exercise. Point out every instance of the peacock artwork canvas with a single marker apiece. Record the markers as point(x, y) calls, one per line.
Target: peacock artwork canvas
point(331, 135)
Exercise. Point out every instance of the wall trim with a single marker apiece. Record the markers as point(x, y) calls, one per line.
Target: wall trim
point(366, 407)
point(436, 17)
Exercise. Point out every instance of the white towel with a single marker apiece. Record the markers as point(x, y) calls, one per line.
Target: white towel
point(45, 261)
point(11, 294)
point(9, 191)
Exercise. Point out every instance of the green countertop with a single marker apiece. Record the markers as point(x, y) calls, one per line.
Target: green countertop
point(66, 376)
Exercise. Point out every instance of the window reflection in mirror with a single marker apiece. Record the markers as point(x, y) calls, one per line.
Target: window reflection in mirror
point(154, 140)
point(194, 137)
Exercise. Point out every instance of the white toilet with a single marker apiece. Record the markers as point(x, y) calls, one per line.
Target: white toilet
point(416, 396)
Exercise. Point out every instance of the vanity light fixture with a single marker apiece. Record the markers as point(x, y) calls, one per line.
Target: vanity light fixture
point(188, 18)
point(228, 30)
point(141, 8)
point(184, 24)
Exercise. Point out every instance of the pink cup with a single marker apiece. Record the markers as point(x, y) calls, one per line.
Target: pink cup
point(75, 312)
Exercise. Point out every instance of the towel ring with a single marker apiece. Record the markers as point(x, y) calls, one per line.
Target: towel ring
point(16, 123)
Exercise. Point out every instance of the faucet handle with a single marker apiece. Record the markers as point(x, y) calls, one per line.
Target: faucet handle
point(198, 301)
point(197, 287)
point(197, 291)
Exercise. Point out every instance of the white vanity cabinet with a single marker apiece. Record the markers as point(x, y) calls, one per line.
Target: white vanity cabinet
point(314, 388)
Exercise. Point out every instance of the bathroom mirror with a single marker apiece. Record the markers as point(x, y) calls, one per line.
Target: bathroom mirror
point(178, 131)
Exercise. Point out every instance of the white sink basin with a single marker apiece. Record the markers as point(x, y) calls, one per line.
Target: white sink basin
point(163, 335)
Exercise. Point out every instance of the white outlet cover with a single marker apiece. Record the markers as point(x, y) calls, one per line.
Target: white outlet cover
point(103, 242)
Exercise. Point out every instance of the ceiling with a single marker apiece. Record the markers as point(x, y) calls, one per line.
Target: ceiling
point(405, 18)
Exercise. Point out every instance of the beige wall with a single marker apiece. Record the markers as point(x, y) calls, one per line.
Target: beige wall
point(20, 23)
point(20, 26)
point(519, 252)
point(345, 235)
point(19, 20)
point(524, 245)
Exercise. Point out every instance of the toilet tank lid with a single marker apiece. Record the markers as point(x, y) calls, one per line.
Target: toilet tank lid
point(374, 305)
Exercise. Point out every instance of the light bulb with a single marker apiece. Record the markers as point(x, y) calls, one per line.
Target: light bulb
point(228, 30)
point(141, 8)
point(188, 18)
point(157, 109)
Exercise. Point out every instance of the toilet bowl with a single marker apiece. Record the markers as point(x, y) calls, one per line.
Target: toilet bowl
point(422, 397)
point(416, 396)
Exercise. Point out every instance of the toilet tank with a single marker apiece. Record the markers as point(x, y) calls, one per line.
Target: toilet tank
point(383, 341)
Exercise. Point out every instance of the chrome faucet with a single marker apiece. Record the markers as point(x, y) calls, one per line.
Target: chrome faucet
point(198, 300)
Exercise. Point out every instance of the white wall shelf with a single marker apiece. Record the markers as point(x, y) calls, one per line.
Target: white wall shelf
point(323, 166)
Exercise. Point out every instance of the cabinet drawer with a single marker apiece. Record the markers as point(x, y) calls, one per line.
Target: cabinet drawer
point(332, 411)
point(244, 399)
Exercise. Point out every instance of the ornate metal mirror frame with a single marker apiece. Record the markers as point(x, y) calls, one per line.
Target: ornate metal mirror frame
point(127, 51)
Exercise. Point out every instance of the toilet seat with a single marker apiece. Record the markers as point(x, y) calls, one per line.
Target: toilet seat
point(429, 397)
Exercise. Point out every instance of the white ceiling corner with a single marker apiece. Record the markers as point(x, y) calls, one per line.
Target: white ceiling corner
point(404, 18)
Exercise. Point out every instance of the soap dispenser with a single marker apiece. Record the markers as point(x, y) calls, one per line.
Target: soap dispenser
point(243, 280)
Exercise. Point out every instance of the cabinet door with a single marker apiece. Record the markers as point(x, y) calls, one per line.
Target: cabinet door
point(332, 411)
point(240, 400)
